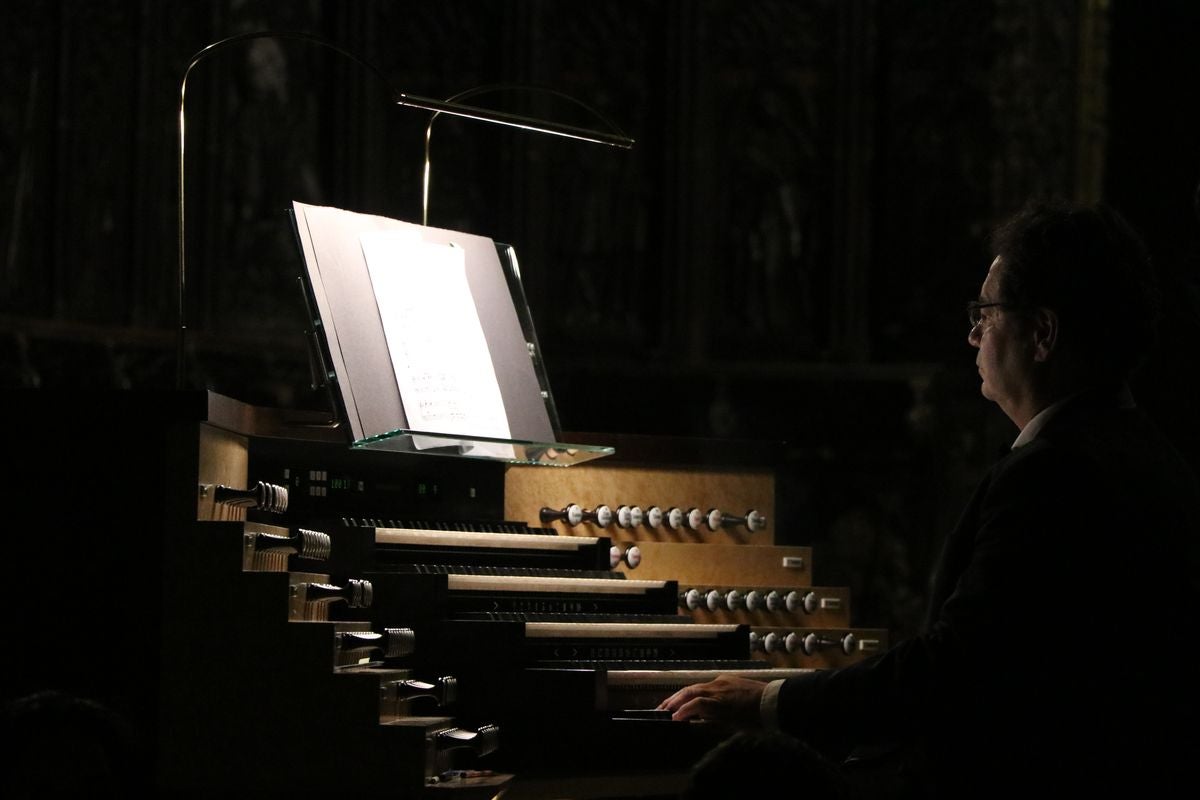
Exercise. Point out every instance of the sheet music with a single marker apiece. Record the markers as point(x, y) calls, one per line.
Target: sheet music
point(443, 368)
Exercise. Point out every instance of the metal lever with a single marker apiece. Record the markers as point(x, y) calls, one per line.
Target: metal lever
point(483, 741)
point(266, 496)
point(443, 690)
point(392, 643)
point(304, 543)
point(356, 593)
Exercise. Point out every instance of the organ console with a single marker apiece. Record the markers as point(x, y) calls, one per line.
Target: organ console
point(448, 625)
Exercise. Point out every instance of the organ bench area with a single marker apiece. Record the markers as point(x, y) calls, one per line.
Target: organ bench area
point(342, 620)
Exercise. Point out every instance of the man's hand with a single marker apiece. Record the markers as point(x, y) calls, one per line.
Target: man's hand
point(727, 699)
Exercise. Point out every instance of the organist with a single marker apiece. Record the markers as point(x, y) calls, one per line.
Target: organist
point(1053, 653)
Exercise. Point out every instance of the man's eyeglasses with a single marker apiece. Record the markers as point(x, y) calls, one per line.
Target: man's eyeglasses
point(975, 311)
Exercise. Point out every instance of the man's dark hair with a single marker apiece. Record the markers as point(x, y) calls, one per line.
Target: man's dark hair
point(1087, 264)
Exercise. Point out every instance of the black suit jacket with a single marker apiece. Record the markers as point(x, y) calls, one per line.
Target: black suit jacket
point(1057, 644)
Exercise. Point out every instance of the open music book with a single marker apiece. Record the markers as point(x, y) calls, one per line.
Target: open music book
point(426, 338)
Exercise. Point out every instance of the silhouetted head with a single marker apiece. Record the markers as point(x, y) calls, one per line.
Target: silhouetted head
point(1087, 265)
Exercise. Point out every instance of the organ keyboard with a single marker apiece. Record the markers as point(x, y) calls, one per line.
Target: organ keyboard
point(442, 618)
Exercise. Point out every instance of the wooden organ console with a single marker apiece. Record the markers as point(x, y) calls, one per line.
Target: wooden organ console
point(319, 618)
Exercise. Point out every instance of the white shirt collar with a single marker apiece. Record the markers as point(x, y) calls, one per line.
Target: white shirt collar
point(1035, 425)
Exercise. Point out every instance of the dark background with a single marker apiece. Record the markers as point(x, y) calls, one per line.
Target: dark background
point(784, 256)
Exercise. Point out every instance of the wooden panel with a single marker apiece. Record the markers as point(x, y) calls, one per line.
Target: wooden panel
point(697, 564)
point(224, 461)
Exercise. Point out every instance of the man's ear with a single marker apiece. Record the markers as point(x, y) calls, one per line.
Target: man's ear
point(1045, 333)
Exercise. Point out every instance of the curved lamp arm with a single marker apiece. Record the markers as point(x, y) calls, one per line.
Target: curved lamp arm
point(196, 59)
point(615, 137)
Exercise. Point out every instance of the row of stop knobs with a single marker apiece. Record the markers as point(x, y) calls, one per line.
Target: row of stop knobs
point(674, 517)
point(756, 600)
point(800, 642)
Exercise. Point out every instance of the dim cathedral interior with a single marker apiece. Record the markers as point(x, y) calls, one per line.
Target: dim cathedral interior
point(758, 307)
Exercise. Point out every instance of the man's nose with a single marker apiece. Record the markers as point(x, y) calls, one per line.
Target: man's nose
point(974, 336)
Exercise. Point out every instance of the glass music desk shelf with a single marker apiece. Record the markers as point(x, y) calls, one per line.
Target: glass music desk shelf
point(513, 451)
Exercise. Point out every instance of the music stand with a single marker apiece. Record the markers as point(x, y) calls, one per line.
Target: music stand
point(382, 322)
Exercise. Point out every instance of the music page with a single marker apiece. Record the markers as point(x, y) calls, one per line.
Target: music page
point(443, 367)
